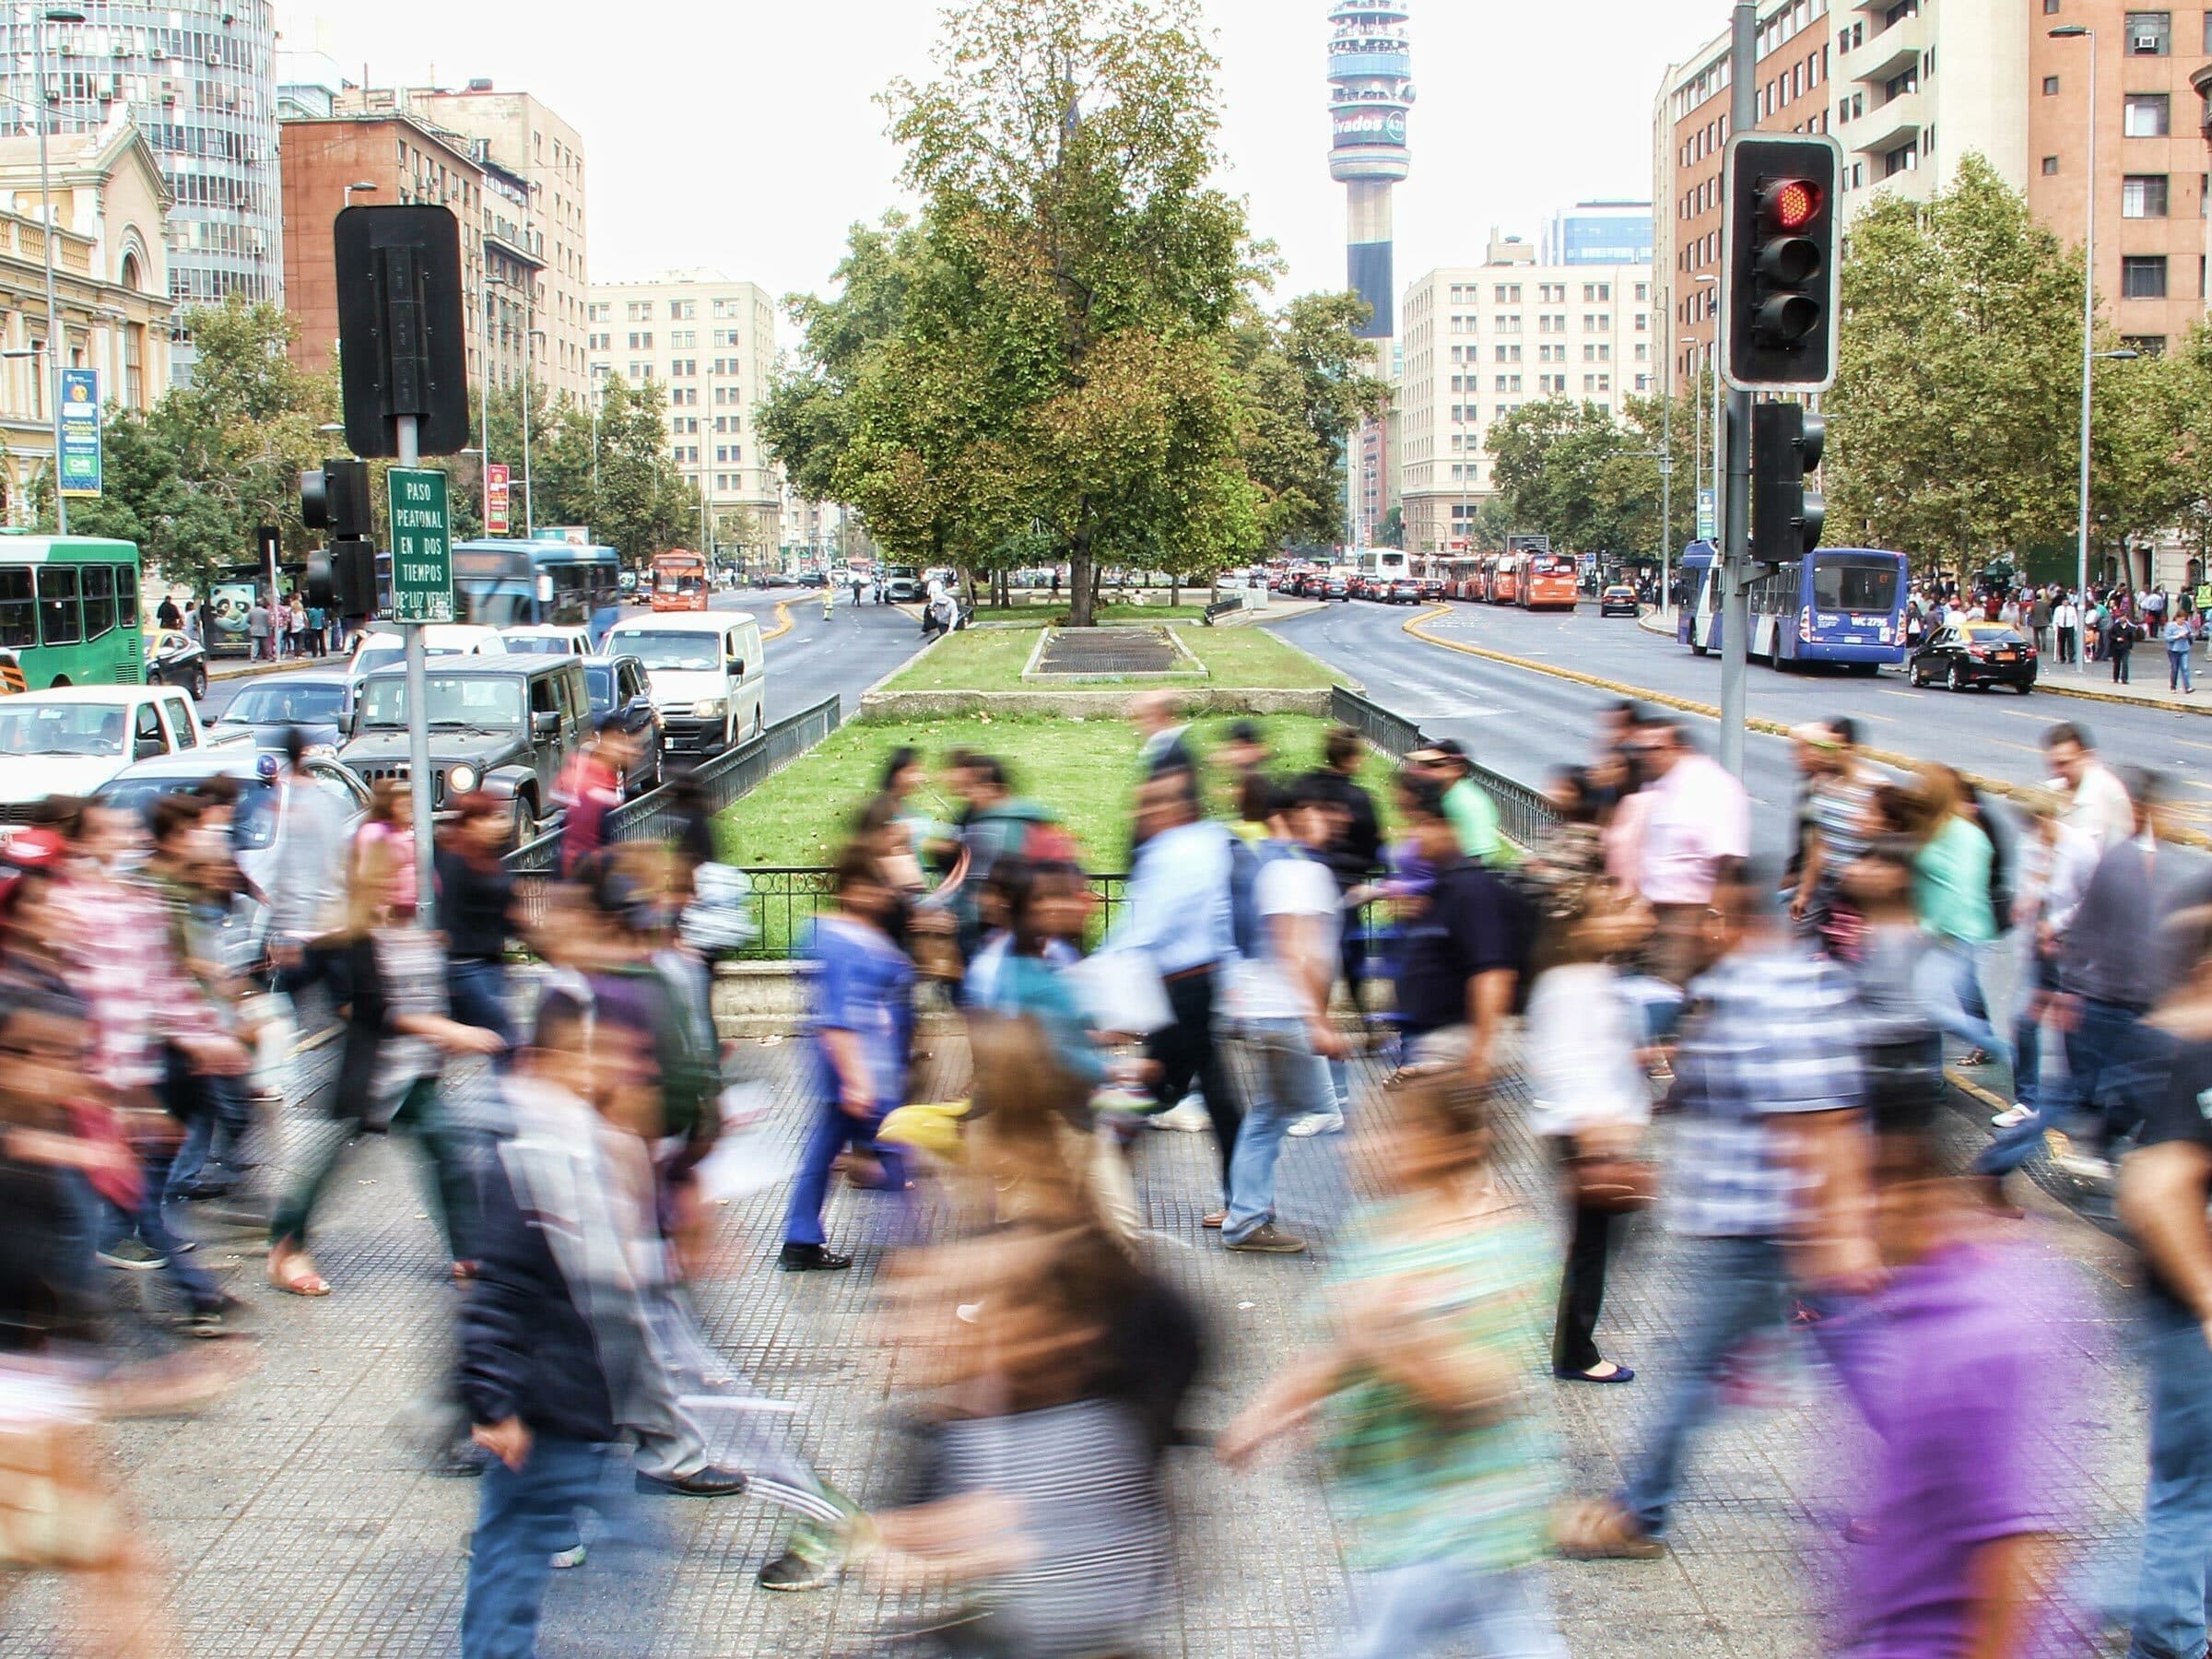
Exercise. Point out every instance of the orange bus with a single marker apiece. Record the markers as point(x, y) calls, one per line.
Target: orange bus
point(1502, 578)
point(1548, 581)
point(679, 581)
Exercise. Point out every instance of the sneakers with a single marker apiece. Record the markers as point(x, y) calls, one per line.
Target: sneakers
point(2012, 1117)
point(134, 1256)
point(812, 1258)
point(1187, 1117)
point(1318, 1123)
point(1267, 1239)
point(573, 1557)
point(812, 1560)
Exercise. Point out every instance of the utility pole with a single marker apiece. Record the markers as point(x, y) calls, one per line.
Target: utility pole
point(1735, 436)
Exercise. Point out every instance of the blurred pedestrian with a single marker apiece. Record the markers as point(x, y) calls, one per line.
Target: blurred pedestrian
point(1697, 821)
point(1353, 855)
point(590, 787)
point(1472, 811)
point(1461, 954)
point(2097, 804)
point(1952, 889)
point(476, 912)
point(1157, 715)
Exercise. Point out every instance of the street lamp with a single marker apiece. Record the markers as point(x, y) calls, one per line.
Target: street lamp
point(2076, 32)
point(53, 340)
point(363, 185)
point(32, 351)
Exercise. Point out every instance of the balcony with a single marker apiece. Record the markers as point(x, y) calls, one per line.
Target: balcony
point(1890, 52)
point(1884, 128)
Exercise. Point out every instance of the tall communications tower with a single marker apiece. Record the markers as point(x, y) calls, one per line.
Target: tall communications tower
point(1370, 92)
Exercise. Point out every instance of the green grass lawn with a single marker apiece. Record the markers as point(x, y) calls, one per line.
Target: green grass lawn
point(1084, 769)
point(993, 659)
point(1054, 614)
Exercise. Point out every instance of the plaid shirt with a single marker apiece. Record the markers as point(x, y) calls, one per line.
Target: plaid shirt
point(1778, 1033)
point(114, 938)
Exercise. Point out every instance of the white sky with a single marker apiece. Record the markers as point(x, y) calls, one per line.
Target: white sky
point(741, 134)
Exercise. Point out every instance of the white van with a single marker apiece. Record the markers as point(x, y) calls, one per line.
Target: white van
point(706, 668)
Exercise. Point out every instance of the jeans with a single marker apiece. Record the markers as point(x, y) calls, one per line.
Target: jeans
point(476, 990)
point(1407, 1611)
point(1739, 1289)
point(1950, 981)
point(523, 1516)
point(2178, 675)
point(2015, 1146)
point(1288, 1080)
point(221, 1117)
point(2098, 1035)
point(834, 1130)
point(2177, 1530)
point(451, 1153)
point(1187, 1049)
point(150, 1227)
point(2122, 675)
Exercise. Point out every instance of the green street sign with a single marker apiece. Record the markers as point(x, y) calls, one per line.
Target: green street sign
point(422, 547)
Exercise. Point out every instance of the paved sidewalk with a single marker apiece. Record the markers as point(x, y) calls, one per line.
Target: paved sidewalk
point(298, 1523)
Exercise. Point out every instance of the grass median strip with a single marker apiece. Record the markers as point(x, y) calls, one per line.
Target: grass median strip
point(992, 659)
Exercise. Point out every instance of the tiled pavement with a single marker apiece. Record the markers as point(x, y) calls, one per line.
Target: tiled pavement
point(296, 1520)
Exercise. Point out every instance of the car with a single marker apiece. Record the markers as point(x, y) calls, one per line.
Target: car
point(902, 584)
point(1335, 587)
point(1433, 590)
point(708, 674)
point(315, 700)
point(71, 739)
point(1401, 590)
point(1619, 600)
point(503, 723)
point(547, 640)
point(1975, 653)
point(618, 685)
point(175, 658)
point(383, 646)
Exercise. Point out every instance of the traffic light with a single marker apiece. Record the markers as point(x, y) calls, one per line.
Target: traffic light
point(335, 499)
point(1778, 262)
point(1785, 450)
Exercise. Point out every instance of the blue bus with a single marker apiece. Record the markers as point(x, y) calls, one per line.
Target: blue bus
point(528, 583)
point(1836, 604)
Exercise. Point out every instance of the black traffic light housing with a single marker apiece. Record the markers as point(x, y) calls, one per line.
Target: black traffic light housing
point(341, 577)
point(1778, 262)
point(336, 497)
point(1786, 516)
point(401, 343)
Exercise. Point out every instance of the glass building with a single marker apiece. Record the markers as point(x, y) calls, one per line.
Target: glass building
point(198, 77)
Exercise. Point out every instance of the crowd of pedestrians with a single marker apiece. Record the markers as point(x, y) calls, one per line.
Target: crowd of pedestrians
point(2068, 626)
point(1756, 1048)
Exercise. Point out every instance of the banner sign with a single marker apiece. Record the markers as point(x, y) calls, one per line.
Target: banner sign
point(80, 433)
point(497, 521)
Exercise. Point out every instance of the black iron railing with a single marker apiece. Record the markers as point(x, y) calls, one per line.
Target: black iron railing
point(1522, 813)
point(787, 898)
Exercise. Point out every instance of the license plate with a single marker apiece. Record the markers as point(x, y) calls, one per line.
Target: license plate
point(2007, 656)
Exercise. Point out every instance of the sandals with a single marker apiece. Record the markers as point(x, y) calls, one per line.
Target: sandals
point(292, 1271)
point(1601, 1531)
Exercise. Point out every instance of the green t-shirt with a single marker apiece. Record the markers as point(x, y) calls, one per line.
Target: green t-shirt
point(1424, 1485)
point(1951, 884)
point(1475, 816)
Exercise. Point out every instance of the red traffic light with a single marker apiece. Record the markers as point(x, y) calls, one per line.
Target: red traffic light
point(1792, 203)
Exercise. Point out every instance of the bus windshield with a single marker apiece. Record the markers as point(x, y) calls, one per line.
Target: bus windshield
point(1854, 584)
point(484, 703)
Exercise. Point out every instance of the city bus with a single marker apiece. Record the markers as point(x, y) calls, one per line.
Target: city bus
point(679, 581)
point(536, 583)
point(1836, 604)
point(1501, 578)
point(1549, 580)
point(1378, 566)
point(68, 612)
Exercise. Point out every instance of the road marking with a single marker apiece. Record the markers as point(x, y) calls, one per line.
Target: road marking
point(2192, 743)
point(1886, 691)
point(783, 625)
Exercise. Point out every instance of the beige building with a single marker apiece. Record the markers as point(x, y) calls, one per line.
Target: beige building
point(110, 282)
point(710, 344)
point(1479, 341)
point(520, 135)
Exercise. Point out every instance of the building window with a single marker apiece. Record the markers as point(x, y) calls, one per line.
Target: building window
point(2050, 8)
point(2050, 166)
point(2050, 85)
point(134, 366)
point(2143, 276)
point(2148, 345)
point(2142, 196)
point(682, 310)
point(2149, 35)
point(2147, 115)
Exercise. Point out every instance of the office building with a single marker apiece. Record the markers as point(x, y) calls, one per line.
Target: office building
point(521, 134)
point(710, 344)
point(111, 285)
point(1482, 340)
point(1606, 233)
point(198, 77)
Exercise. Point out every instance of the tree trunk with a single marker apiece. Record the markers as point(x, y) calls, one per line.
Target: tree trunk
point(1174, 589)
point(1082, 578)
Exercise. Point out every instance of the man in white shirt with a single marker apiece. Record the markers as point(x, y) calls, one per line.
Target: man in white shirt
point(2065, 617)
point(2099, 807)
point(1281, 998)
point(1699, 820)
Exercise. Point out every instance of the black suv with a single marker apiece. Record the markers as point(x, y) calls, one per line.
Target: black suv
point(502, 723)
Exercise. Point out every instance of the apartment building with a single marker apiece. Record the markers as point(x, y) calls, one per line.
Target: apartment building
point(1481, 340)
point(710, 344)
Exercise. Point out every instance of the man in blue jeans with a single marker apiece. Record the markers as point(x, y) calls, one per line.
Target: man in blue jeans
point(2163, 1190)
point(1280, 995)
point(1775, 1166)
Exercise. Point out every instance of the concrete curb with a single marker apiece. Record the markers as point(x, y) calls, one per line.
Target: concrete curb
point(252, 670)
point(1412, 624)
point(1091, 705)
point(783, 625)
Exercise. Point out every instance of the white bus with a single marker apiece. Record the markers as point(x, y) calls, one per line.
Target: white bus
point(1379, 564)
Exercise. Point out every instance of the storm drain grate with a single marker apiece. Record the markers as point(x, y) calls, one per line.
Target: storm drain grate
point(1110, 651)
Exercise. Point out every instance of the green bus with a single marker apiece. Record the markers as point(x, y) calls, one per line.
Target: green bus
point(68, 612)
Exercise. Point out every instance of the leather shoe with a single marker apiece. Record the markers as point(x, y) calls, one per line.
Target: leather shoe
point(709, 1482)
point(812, 1258)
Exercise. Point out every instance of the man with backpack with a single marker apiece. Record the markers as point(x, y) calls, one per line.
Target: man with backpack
point(1464, 954)
point(1284, 915)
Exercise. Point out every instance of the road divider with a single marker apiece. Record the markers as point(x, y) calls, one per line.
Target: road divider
point(783, 625)
point(2178, 835)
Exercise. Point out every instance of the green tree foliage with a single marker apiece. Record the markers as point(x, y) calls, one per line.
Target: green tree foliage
point(1589, 479)
point(1307, 385)
point(1954, 424)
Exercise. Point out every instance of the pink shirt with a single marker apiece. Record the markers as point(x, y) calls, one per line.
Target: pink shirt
point(1699, 816)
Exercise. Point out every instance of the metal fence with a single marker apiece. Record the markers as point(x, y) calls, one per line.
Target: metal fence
point(1522, 813)
point(787, 898)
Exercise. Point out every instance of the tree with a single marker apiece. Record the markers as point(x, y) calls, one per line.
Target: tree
point(1579, 475)
point(1306, 388)
point(1954, 417)
point(1082, 279)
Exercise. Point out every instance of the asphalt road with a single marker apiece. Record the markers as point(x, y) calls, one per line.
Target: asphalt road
point(843, 657)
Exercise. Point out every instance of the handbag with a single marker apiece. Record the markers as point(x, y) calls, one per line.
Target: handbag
point(1614, 1183)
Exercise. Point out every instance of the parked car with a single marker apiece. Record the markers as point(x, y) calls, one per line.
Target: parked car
point(505, 723)
point(1976, 653)
point(174, 658)
point(619, 685)
point(708, 674)
point(313, 700)
point(1619, 600)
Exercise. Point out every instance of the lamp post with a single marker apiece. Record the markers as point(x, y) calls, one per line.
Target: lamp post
point(53, 322)
point(2076, 32)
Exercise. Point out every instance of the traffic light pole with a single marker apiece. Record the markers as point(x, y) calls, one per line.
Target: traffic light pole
point(420, 785)
point(1735, 503)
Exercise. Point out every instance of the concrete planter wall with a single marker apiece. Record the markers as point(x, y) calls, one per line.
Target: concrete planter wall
point(1086, 705)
